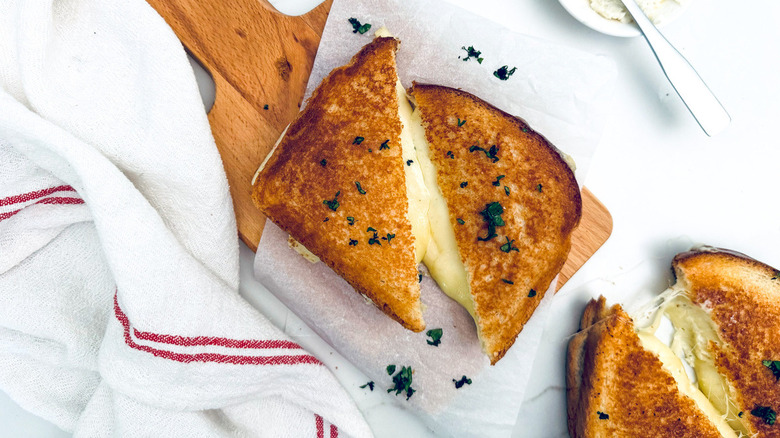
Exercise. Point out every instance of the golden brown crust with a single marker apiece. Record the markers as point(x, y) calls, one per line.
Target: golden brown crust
point(356, 100)
point(540, 212)
point(610, 373)
point(741, 295)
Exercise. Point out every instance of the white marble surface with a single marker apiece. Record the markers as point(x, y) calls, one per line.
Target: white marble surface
point(667, 185)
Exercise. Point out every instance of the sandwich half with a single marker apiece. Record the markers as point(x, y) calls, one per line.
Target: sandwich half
point(725, 323)
point(503, 206)
point(336, 182)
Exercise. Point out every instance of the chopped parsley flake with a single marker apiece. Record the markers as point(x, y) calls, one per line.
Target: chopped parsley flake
point(508, 245)
point(531, 293)
point(507, 281)
point(774, 366)
point(390, 370)
point(419, 278)
point(360, 189)
point(492, 215)
point(369, 384)
point(402, 382)
point(461, 221)
point(602, 416)
point(765, 413)
point(461, 122)
point(370, 229)
point(265, 107)
point(497, 182)
point(776, 275)
point(369, 150)
point(463, 381)
point(525, 129)
point(351, 220)
point(740, 414)
point(326, 219)
point(490, 153)
point(409, 162)
point(506, 190)
point(358, 140)
point(539, 188)
point(374, 240)
point(357, 27)
point(389, 237)
point(463, 184)
point(353, 242)
point(471, 52)
point(324, 162)
point(435, 335)
point(384, 145)
point(450, 154)
point(334, 204)
point(504, 72)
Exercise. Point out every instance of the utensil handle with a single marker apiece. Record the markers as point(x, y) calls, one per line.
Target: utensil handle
point(695, 94)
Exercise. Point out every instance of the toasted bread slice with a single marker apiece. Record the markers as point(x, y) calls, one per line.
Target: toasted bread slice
point(336, 183)
point(485, 157)
point(617, 388)
point(741, 297)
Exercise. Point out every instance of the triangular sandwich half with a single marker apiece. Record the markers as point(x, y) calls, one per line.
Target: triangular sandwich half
point(336, 183)
point(502, 215)
point(617, 387)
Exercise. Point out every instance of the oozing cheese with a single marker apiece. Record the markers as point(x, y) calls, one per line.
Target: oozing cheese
point(693, 332)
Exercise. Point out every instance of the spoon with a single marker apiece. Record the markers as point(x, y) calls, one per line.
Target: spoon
point(695, 94)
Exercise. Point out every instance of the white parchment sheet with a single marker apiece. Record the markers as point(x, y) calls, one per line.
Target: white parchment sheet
point(560, 92)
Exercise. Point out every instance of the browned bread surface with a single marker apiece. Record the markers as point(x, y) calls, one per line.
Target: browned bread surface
point(609, 373)
point(322, 155)
point(742, 295)
point(541, 209)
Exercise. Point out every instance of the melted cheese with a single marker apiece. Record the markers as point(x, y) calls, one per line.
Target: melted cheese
point(693, 332)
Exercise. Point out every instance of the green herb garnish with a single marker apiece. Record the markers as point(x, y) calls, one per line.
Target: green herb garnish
point(507, 281)
point(265, 107)
point(358, 140)
point(390, 370)
point(435, 335)
point(497, 181)
point(384, 145)
point(463, 184)
point(602, 416)
point(774, 366)
point(351, 220)
point(471, 52)
point(326, 219)
point(461, 221)
point(461, 122)
point(776, 275)
point(419, 278)
point(334, 204)
point(531, 293)
point(740, 414)
point(390, 237)
point(539, 188)
point(506, 190)
point(360, 189)
point(492, 215)
point(463, 381)
point(357, 27)
point(402, 382)
point(490, 153)
point(370, 229)
point(369, 384)
point(450, 155)
point(504, 72)
point(765, 413)
point(409, 162)
point(353, 242)
point(374, 240)
point(324, 162)
point(508, 246)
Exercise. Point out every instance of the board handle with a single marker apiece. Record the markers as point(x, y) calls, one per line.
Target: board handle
point(260, 61)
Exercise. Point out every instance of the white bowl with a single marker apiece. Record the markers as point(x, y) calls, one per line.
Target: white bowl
point(581, 10)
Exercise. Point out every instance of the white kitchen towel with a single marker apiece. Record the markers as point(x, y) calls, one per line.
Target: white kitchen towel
point(119, 305)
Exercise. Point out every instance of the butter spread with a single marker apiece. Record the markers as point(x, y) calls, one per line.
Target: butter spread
point(656, 10)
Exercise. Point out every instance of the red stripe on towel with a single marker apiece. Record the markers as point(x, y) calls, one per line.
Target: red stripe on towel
point(186, 341)
point(34, 195)
point(54, 200)
point(334, 431)
point(208, 357)
point(320, 426)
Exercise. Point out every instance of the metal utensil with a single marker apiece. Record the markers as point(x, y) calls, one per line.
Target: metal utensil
point(695, 94)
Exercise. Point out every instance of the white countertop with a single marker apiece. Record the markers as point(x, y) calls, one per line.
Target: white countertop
point(667, 185)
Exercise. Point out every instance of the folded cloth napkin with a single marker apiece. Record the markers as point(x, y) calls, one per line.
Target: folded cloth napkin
point(119, 305)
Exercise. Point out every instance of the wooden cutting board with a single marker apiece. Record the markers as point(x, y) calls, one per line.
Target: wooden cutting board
point(260, 61)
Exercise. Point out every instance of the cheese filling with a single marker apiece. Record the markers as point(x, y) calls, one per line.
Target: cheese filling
point(693, 332)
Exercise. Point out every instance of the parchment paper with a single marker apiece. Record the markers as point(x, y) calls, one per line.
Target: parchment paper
point(562, 93)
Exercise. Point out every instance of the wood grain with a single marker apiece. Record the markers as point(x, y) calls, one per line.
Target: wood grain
point(260, 61)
